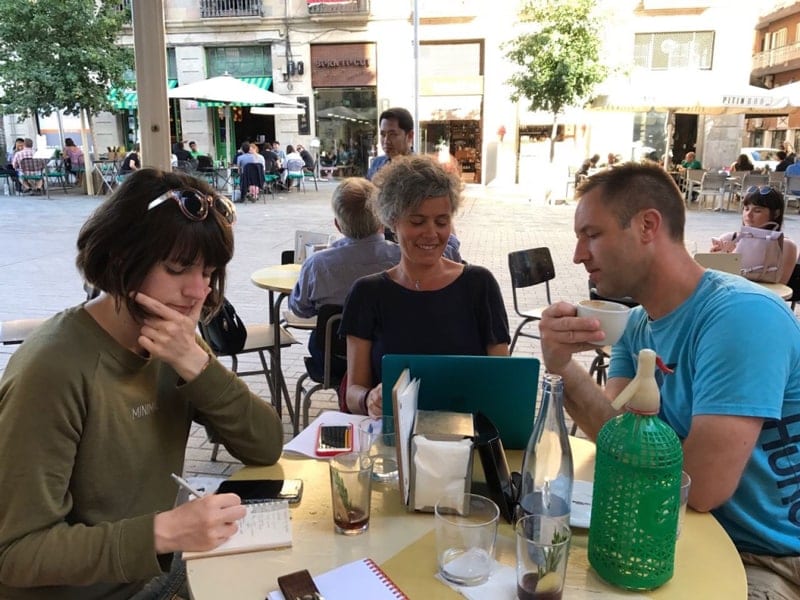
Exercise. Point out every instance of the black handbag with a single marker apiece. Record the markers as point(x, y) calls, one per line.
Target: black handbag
point(226, 331)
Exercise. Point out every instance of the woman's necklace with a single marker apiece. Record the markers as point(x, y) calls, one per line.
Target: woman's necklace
point(416, 284)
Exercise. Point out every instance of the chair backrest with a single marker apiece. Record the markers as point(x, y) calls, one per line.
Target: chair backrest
point(793, 185)
point(727, 262)
point(295, 166)
point(751, 179)
point(531, 267)
point(15, 332)
point(327, 340)
point(33, 166)
point(794, 283)
point(713, 181)
point(252, 174)
point(205, 163)
point(695, 174)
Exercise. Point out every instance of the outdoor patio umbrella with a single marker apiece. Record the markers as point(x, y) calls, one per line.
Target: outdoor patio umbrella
point(230, 91)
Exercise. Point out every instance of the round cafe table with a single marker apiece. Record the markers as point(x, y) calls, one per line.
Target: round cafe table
point(707, 564)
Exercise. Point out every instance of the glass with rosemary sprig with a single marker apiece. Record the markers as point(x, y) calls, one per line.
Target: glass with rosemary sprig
point(542, 553)
point(351, 487)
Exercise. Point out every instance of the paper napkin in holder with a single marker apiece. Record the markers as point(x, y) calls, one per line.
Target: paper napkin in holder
point(441, 457)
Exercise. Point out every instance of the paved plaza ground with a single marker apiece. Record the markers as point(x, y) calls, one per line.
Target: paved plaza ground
point(38, 276)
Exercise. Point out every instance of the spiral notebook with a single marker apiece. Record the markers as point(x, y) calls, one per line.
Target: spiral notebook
point(264, 527)
point(358, 579)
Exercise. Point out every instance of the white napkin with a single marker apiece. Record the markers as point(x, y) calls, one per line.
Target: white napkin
point(440, 468)
point(501, 585)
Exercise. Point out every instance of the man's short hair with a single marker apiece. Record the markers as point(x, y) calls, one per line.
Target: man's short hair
point(28, 142)
point(404, 119)
point(632, 187)
point(353, 203)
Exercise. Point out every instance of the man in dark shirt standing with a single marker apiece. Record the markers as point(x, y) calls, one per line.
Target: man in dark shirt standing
point(397, 137)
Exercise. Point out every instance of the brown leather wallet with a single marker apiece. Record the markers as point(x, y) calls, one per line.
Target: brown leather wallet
point(299, 586)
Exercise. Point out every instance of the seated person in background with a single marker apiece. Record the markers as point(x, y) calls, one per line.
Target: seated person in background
point(793, 170)
point(73, 159)
point(732, 392)
point(96, 406)
point(193, 151)
point(743, 163)
point(762, 207)
point(787, 147)
point(9, 170)
point(131, 162)
point(589, 163)
point(306, 156)
point(271, 160)
point(293, 163)
point(689, 162)
point(427, 304)
point(785, 161)
point(249, 154)
point(326, 277)
point(181, 153)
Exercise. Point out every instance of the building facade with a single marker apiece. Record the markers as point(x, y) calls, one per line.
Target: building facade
point(347, 60)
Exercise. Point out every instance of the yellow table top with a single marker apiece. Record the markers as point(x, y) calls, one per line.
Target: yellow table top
point(277, 278)
point(404, 543)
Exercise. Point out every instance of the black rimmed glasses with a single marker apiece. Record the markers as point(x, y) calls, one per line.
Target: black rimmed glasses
point(761, 189)
point(195, 205)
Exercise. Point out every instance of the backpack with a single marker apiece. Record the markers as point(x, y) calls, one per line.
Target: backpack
point(226, 332)
point(762, 253)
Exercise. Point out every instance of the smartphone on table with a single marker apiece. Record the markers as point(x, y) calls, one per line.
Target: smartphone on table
point(334, 439)
point(253, 491)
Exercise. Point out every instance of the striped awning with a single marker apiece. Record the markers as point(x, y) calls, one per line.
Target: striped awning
point(129, 99)
point(262, 82)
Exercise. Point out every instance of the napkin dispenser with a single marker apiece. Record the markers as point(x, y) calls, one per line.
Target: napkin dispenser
point(440, 457)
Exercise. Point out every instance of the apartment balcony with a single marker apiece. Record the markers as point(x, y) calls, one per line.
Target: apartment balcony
point(338, 10)
point(217, 9)
point(778, 60)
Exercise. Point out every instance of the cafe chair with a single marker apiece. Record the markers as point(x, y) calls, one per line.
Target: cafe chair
point(252, 176)
point(311, 173)
point(714, 185)
point(32, 172)
point(333, 347)
point(794, 283)
point(792, 191)
point(529, 268)
point(261, 340)
point(9, 182)
point(295, 172)
point(15, 331)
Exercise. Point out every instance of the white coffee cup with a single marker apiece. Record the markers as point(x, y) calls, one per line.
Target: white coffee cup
point(613, 317)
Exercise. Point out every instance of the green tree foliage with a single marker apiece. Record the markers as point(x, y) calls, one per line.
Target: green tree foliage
point(558, 61)
point(60, 54)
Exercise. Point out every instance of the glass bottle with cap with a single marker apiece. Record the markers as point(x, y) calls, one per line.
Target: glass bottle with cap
point(637, 480)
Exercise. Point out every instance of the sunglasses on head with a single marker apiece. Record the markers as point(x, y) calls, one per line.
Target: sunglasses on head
point(195, 205)
point(763, 189)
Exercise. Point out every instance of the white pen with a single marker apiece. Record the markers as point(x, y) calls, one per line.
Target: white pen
point(185, 485)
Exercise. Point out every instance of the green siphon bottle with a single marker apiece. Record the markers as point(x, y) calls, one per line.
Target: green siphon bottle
point(636, 497)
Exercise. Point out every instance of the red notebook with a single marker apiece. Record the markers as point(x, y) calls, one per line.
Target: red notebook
point(359, 579)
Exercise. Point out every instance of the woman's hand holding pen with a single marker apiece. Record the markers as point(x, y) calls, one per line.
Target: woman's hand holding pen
point(171, 336)
point(201, 524)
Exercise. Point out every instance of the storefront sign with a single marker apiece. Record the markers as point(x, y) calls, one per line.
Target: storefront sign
point(343, 65)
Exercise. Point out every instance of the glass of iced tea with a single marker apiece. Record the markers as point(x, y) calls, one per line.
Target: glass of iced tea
point(351, 487)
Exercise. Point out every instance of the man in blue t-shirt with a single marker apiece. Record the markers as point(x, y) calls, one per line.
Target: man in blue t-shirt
point(730, 350)
point(397, 137)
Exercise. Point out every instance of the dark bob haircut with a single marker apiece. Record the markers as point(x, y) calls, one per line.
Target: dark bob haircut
point(769, 198)
point(122, 240)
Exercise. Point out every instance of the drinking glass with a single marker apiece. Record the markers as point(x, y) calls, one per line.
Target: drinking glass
point(542, 553)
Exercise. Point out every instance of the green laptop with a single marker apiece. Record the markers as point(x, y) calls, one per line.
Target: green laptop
point(501, 387)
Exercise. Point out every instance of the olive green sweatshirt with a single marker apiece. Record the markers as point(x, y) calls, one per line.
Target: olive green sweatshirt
point(89, 434)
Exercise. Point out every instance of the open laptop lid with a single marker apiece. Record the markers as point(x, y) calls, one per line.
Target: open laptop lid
point(501, 387)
